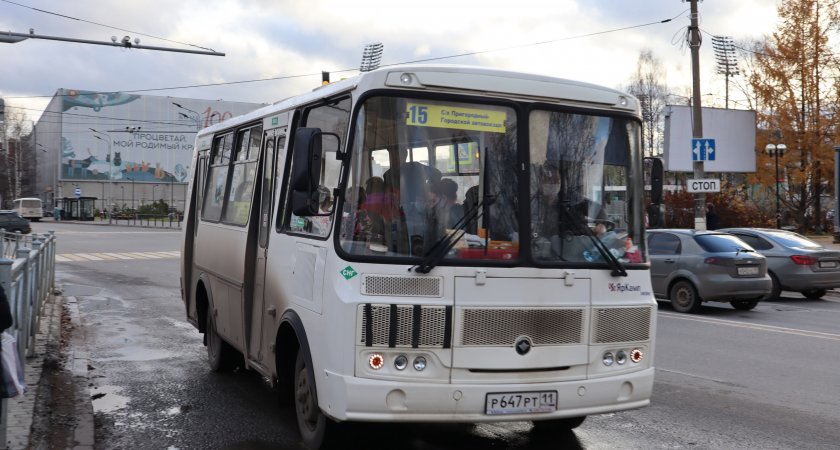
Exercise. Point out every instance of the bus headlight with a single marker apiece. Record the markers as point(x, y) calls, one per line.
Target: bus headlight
point(419, 363)
point(621, 357)
point(608, 359)
point(400, 362)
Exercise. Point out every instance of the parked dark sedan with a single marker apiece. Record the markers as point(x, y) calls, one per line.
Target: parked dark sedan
point(794, 262)
point(690, 267)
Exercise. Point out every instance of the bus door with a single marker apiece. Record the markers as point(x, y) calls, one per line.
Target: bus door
point(275, 141)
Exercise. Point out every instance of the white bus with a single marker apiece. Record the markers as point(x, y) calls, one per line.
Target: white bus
point(427, 244)
point(29, 208)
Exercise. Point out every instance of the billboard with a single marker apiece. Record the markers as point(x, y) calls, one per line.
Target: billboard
point(126, 137)
point(732, 131)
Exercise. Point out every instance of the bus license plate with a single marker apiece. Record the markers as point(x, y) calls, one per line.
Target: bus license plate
point(748, 270)
point(521, 402)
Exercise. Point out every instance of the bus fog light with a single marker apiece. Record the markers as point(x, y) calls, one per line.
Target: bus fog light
point(609, 359)
point(400, 362)
point(621, 357)
point(405, 78)
point(419, 363)
point(376, 361)
point(636, 355)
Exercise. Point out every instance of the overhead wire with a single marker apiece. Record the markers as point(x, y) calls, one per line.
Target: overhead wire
point(227, 83)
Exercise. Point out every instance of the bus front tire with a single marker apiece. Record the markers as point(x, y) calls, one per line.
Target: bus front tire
point(315, 427)
point(220, 355)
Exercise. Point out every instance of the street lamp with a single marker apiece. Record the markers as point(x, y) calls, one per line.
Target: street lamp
point(194, 115)
point(108, 160)
point(777, 150)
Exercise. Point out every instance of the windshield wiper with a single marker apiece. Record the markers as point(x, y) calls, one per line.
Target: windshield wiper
point(618, 268)
point(449, 239)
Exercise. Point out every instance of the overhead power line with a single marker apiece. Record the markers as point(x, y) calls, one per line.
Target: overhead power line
point(287, 77)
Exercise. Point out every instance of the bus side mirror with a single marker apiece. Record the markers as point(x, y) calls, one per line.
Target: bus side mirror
point(656, 173)
point(309, 148)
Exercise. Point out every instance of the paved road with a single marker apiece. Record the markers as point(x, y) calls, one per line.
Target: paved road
point(725, 378)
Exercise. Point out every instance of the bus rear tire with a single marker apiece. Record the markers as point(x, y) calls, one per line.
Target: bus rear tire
point(220, 355)
point(315, 427)
point(558, 425)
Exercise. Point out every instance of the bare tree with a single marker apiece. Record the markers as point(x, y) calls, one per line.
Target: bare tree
point(648, 84)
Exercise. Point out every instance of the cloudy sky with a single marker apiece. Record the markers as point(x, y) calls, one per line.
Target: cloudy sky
point(288, 43)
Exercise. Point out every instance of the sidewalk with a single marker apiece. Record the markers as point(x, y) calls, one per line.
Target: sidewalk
point(53, 354)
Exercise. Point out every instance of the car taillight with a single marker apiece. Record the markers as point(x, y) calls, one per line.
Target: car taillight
point(804, 260)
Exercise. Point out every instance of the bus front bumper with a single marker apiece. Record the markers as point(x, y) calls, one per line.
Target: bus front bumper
point(369, 400)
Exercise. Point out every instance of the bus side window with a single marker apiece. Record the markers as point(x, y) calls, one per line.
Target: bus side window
point(216, 185)
point(238, 204)
point(333, 118)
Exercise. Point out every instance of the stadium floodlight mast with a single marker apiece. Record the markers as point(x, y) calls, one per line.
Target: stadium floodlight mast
point(727, 62)
point(371, 57)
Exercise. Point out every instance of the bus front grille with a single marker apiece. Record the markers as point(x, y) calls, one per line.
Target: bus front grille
point(612, 325)
point(502, 326)
point(388, 325)
point(402, 286)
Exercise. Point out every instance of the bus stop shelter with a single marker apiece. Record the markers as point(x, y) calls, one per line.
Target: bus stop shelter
point(78, 208)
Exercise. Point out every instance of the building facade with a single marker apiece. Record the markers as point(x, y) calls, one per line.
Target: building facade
point(124, 150)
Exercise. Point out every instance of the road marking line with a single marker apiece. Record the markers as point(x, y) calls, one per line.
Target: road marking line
point(755, 326)
point(94, 257)
point(88, 256)
point(104, 256)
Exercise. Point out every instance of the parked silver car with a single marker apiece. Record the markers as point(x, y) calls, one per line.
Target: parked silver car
point(794, 262)
point(690, 267)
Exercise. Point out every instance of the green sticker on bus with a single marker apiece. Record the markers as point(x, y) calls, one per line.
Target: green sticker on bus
point(348, 272)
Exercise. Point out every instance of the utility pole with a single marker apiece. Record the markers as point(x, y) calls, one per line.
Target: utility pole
point(697, 113)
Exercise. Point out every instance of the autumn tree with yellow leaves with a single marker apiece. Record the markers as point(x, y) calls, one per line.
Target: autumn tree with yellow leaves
point(796, 86)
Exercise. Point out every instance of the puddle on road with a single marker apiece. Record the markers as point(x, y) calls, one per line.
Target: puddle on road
point(139, 354)
point(105, 399)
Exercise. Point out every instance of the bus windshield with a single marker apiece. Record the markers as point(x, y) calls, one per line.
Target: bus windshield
point(426, 173)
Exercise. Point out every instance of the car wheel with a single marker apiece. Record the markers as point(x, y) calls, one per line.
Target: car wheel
point(775, 290)
point(558, 425)
point(814, 294)
point(220, 355)
point(744, 305)
point(684, 297)
point(315, 428)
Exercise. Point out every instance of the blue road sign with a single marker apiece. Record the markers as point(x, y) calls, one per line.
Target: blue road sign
point(703, 150)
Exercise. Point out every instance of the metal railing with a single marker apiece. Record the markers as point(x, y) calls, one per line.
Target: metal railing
point(147, 220)
point(27, 275)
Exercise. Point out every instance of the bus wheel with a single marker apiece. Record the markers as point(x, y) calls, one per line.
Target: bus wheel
point(219, 353)
point(314, 426)
point(558, 425)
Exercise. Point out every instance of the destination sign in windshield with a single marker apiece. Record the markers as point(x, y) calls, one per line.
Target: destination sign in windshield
point(444, 116)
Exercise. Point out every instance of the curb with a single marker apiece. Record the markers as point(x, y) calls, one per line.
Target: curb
point(78, 362)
